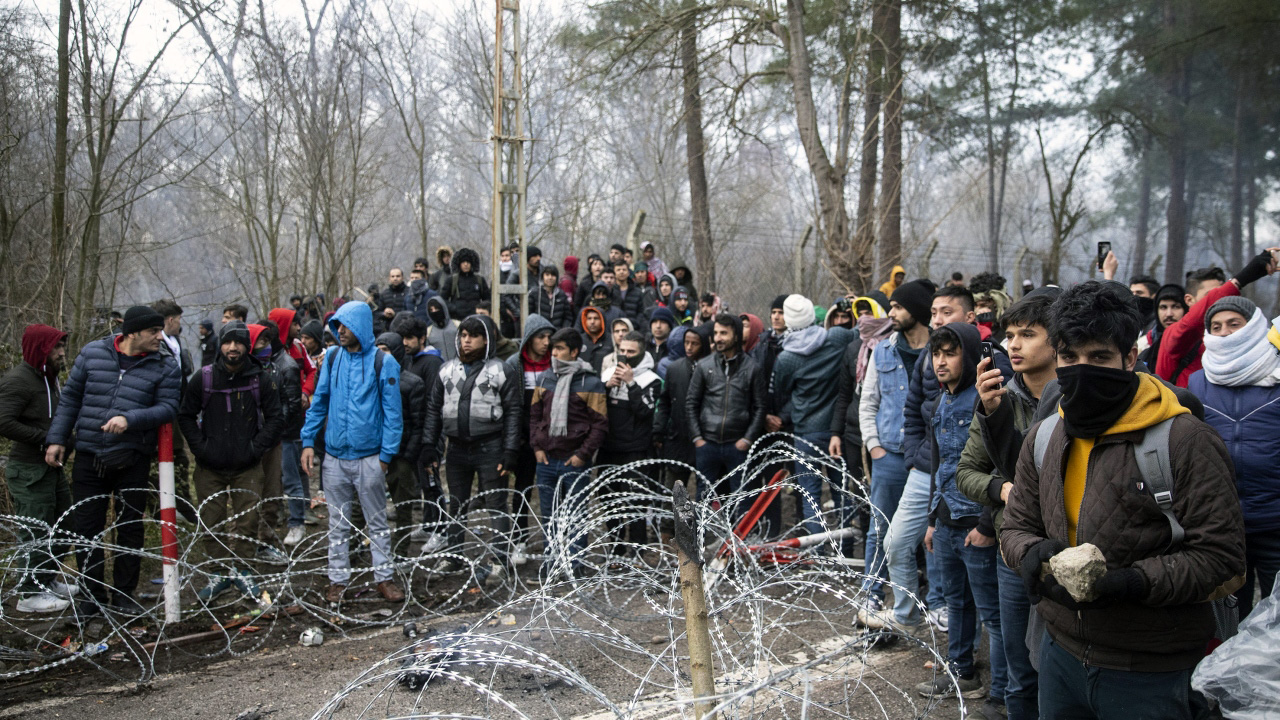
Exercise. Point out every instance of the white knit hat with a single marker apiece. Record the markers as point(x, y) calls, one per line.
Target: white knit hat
point(798, 312)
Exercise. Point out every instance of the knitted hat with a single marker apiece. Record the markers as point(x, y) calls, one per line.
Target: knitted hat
point(207, 325)
point(235, 331)
point(916, 297)
point(778, 302)
point(663, 314)
point(314, 330)
point(1234, 303)
point(532, 251)
point(797, 311)
point(1172, 292)
point(139, 318)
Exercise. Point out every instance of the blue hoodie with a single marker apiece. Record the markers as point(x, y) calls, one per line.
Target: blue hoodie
point(363, 412)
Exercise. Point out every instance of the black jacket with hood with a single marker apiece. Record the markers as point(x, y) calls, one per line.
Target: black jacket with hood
point(29, 395)
point(413, 399)
point(235, 429)
point(464, 291)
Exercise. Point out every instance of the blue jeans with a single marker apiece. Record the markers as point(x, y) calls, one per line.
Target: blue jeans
point(1020, 698)
point(888, 480)
point(291, 478)
point(810, 480)
point(717, 462)
point(359, 480)
point(1071, 690)
point(969, 579)
point(906, 532)
point(560, 482)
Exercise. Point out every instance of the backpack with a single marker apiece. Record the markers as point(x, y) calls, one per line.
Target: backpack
point(207, 390)
point(1152, 455)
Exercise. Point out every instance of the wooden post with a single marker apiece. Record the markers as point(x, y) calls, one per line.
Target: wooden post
point(797, 261)
point(633, 235)
point(695, 603)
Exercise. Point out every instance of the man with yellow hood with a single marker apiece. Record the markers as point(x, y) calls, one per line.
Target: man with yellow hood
point(896, 278)
point(1128, 648)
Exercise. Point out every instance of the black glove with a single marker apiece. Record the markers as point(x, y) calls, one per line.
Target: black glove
point(509, 460)
point(1114, 587)
point(1255, 270)
point(429, 457)
point(1031, 562)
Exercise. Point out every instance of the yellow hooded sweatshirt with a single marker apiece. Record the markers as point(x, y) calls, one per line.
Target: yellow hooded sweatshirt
point(890, 285)
point(1152, 404)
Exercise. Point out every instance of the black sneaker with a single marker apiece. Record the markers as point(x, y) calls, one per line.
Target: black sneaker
point(941, 687)
point(993, 710)
point(124, 606)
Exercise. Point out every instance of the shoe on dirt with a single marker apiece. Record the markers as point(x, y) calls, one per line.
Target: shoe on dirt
point(270, 555)
point(941, 687)
point(433, 543)
point(333, 595)
point(42, 602)
point(218, 584)
point(938, 619)
point(64, 587)
point(295, 535)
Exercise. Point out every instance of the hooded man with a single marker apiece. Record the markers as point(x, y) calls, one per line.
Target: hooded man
point(633, 389)
point(289, 326)
point(548, 300)
point(567, 425)
point(959, 533)
point(402, 475)
point(357, 401)
point(477, 406)
point(680, 306)
point(115, 439)
point(442, 330)
point(208, 342)
point(466, 287)
point(29, 392)
point(231, 417)
point(662, 293)
point(533, 359)
point(444, 258)
point(810, 359)
point(281, 466)
point(896, 278)
point(1170, 305)
point(597, 342)
point(649, 254)
point(671, 423)
point(1129, 652)
point(725, 408)
point(569, 281)
point(684, 278)
point(419, 293)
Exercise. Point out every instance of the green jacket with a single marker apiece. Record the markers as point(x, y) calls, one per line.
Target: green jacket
point(27, 404)
point(978, 475)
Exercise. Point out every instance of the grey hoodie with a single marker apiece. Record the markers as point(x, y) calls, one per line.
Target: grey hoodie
point(442, 336)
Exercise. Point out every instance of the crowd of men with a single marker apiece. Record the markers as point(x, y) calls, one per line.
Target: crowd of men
point(986, 435)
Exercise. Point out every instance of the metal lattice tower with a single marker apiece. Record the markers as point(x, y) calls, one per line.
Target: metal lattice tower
point(509, 181)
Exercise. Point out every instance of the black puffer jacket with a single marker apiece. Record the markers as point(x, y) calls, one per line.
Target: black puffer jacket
point(631, 303)
point(726, 399)
point(98, 389)
point(464, 291)
point(289, 379)
point(671, 422)
point(556, 309)
point(844, 417)
point(235, 429)
point(413, 399)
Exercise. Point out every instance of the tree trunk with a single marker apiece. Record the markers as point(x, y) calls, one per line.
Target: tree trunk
point(1144, 208)
point(695, 149)
point(59, 229)
point(1237, 180)
point(828, 179)
point(865, 233)
point(891, 172)
point(1177, 81)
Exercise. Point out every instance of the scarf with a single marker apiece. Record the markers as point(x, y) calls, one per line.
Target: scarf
point(872, 330)
point(1094, 398)
point(564, 372)
point(1242, 358)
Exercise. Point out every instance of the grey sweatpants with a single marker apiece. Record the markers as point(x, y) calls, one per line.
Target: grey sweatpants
point(344, 481)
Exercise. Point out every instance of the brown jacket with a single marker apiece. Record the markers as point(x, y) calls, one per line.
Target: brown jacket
point(1171, 627)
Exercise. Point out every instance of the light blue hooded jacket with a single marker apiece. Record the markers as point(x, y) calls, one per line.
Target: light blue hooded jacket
point(363, 412)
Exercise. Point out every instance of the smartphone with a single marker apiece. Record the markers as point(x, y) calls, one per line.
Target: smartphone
point(1104, 249)
point(988, 352)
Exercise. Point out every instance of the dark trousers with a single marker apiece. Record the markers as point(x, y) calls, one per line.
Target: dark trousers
point(40, 493)
point(970, 585)
point(631, 483)
point(130, 487)
point(432, 495)
point(1021, 698)
point(1262, 558)
point(464, 462)
point(526, 479)
point(716, 462)
point(1071, 690)
point(402, 483)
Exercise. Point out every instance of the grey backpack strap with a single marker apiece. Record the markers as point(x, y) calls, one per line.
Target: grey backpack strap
point(1152, 454)
point(1043, 435)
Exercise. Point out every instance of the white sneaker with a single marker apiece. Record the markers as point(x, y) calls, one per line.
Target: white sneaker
point(520, 554)
point(64, 587)
point(294, 536)
point(496, 575)
point(419, 534)
point(435, 542)
point(938, 619)
point(43, 602)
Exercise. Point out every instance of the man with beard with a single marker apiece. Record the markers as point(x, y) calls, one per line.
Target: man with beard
point(465, 288)
point(661, 323)
point(477, 406)
point(1171, 305)
point(28, 394)
point(725, 408)
point(633, 389)
point(392, 300)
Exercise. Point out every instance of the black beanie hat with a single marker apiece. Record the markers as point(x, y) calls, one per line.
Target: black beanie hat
point(532, 251)
point(235, 331)
point(778, 302)
point(139, 318)
point(916, 297)
point(1172, 292)
point(314, 330)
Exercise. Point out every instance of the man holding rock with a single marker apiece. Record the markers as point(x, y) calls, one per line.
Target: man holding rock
point(1130, 652)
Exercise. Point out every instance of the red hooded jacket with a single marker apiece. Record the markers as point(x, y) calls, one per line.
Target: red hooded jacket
point(37, 341)
point(283, 318)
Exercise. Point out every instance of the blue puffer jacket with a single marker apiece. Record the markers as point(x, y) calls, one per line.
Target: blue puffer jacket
point(1248, 419)
point(98, 389)
point(363, 412)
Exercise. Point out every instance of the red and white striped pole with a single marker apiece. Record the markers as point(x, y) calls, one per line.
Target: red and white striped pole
point(168, 527)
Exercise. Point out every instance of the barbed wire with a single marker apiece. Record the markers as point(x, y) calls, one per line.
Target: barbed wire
point(598, 631)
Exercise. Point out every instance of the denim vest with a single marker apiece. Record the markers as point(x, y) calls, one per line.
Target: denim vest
point(951, 432)
point(893, 393)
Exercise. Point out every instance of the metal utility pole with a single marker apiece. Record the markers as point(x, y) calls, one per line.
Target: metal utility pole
point(509, 185)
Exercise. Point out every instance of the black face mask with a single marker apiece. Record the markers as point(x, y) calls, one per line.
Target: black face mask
point(1094, 398)
point(986, 317)
point(633, 360)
